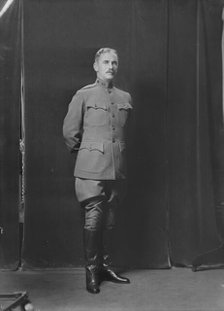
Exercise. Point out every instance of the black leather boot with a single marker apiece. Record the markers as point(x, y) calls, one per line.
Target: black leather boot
point(91, 244)
point(108, 274)
point(92, 279)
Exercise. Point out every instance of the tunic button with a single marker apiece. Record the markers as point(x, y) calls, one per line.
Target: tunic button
point(113, 115)
point(112, 103)
point(113, 140)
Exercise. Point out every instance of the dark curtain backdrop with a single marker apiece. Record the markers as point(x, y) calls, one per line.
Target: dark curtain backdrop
point(170, 61)
point(194, 114)
point(10, 54)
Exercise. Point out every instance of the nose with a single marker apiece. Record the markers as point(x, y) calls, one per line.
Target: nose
point(111, 65)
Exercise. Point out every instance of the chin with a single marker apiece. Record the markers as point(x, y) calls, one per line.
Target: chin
point(109, 77)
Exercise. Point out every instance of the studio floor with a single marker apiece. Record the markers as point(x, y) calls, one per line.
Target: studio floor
point(177, 289)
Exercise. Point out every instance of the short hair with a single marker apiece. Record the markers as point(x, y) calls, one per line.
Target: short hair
point(104, 50)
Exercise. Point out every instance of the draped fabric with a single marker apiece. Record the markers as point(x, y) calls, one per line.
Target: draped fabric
point(219, 164)
point(195, 102)
point(170, 61)
point(214, 64)
point(10, 53)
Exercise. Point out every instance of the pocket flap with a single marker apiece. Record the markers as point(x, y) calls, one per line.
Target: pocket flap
point(91, 145)
point(125, 106)
point(96, 105)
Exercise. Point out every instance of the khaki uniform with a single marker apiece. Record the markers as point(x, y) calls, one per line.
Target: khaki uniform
point(95, 126)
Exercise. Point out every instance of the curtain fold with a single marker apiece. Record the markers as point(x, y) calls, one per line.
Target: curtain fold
point(213, 43)
point(10, 55)
point(194, 54)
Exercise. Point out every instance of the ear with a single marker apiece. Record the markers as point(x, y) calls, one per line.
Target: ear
point(95, 66)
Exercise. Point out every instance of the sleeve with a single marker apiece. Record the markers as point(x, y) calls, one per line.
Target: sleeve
point(72, 126)
point(130, 100)
point(131, 103)
point(131, 128)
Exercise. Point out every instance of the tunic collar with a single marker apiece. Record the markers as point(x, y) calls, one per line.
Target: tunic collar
point(107, 85)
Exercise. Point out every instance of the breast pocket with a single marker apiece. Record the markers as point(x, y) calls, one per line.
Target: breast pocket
point(96, 114)
point(123, 112)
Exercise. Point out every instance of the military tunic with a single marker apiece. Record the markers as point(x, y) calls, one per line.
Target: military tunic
point(95, 126)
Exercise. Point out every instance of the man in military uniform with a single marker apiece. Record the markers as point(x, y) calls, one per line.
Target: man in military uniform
point(95, 128)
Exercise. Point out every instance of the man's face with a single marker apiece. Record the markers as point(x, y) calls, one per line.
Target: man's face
point(106, 66)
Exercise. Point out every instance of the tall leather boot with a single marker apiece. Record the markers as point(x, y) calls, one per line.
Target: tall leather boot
point(91, 245)
point(107, 273)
